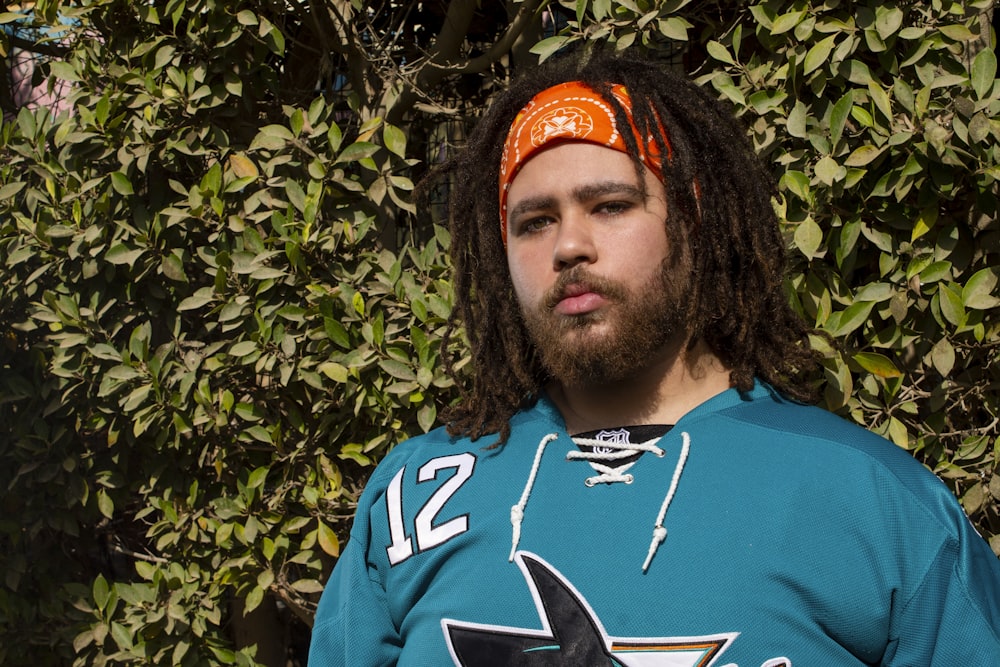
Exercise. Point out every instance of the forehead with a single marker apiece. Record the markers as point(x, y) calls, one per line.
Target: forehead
point(572, 163)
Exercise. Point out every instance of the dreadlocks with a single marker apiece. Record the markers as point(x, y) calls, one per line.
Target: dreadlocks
point(720, 218)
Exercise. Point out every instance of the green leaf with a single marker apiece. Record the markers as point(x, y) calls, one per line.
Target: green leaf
point(253, 599)
point(979, 292)
point(327, 539)
point(180, 650)
point(548, 46)
point(808, 237)
point(984, 71)
point(397, 369)
point(199, 299)
point(260, 434)
point(980, 128)
point(935, 271)
point(334, 136)
point(257, 478)
point(292, 313)
point(395, 139)
point(888, 21)
point(357, 151)
point(719, 52)
point(14, 17)
point(974, 498)
point(898, 432)
point(64, 71)
point(121, 183)
point(136, 398)
point(275, 39)
point(426, 417)
point(164, 55)
point(336, 332)
point(877, 292)
point(972, 447)
point(829, 171)
point(797, 183)
point(881, 99)
point(675, 28)
point(307, 586)
point(943, 357)
point(243, 348)
point(787, 22)
point(122, 254)
point(249, 412)
point(951, 305)
point(101, 592)
point(957, 32)
point(296, 195)
point(243, 166)
point(924, 222)
point(878, 364)
point(211, 182)
point(818, 55)
point(764, 101)
point(851, 318)
point(796, 124)
point(838, 118)
point(9, 190)
point(123, 372)
point(272, 137)
point(247, 17)
point(862, 156)
point(173, 268)
point(336, 372)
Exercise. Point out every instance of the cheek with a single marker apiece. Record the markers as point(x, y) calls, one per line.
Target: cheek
point(524, 285)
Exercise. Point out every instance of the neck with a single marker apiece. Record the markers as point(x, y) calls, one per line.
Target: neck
point(661, 393)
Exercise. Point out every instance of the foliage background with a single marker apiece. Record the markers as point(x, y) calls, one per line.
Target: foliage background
point(218, 309)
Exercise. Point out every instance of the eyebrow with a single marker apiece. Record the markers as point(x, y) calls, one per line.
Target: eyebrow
point(580, 194)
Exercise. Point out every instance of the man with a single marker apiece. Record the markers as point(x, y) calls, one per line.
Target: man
point(631, 478)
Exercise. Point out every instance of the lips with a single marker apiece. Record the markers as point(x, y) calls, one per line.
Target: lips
point(578, 299)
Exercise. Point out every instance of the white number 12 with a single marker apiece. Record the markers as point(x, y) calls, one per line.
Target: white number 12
point(428, 535)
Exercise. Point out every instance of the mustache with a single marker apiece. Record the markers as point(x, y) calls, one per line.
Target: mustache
point(578, 280)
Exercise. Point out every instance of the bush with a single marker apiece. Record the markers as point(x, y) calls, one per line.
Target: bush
point(206, 346)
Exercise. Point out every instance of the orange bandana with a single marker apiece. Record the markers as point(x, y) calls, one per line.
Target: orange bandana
point(568, 112)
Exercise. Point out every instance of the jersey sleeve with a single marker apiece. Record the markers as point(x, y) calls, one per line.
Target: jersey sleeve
point(954, 616)
point(353, 625)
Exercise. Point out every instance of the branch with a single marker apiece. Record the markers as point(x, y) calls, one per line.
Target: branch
point(527, 14)
point(339, 21)
point(51, 49)
point(440, 60)
point(302, 612)
point(125, 551)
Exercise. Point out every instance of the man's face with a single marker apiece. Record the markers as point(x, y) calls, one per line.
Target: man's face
point(586, 255)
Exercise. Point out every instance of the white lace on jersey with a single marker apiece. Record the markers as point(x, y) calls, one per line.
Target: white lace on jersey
point(607, 474)
point(620, 450)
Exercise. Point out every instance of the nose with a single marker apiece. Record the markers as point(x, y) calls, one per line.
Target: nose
point(575, 243)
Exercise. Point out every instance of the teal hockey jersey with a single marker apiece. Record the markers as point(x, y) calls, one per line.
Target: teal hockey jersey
point(757, 532)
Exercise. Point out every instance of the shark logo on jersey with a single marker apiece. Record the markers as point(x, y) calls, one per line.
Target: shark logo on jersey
point(572, 634)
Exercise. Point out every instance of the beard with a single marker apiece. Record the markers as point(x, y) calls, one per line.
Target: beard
point(637, 327)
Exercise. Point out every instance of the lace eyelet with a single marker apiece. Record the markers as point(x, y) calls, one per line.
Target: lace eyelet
point(589, 482)
point(629, 478)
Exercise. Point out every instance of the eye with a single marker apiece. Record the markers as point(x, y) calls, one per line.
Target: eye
point(613, 207)
point(532, 225)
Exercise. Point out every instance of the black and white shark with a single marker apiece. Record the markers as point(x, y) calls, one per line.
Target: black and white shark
point(571, 634)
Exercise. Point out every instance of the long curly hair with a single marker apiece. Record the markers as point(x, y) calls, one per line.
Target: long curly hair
point(719, 196)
